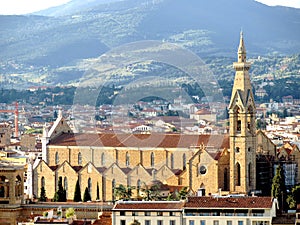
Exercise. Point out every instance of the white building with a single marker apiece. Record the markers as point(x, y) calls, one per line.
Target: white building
point(218, 210)
point(229, 210)
point(148, 212)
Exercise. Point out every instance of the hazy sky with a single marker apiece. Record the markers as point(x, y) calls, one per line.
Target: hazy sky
point(27, 6)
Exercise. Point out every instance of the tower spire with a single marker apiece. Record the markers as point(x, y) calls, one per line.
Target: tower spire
point(242, 127)
point(241, 49)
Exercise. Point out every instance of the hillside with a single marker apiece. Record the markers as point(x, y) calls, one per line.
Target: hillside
point(50, 47)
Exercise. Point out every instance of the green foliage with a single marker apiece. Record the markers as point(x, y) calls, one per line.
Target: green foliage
point(60, 195)
point(45, 214)
point(122, 192)
point(77, 193)
point(86, 196)
point(150, 193)
point(98, 192)
point(43, 197)
point(176, 196)
point(293, 199)
point(278, 190)
point(70, 212)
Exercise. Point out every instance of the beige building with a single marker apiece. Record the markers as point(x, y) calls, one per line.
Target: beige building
point(204, 163)
point(197, 211)
point(11, 193)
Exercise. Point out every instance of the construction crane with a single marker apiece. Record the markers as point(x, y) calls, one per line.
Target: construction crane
point(16, 112)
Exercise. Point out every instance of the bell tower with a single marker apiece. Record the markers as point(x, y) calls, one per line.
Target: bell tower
point(242, 127)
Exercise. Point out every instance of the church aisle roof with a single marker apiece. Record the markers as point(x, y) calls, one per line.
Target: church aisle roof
point(141, 140)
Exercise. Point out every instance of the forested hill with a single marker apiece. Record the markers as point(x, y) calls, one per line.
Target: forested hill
point(62, 36)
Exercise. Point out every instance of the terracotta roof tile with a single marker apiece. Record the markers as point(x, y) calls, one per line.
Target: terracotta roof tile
point(230, 202)
point(152, 205)
point(141, 140)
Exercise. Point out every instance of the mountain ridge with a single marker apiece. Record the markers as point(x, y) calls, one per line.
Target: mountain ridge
point(205, 28)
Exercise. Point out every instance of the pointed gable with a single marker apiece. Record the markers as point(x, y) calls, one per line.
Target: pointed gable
point(65, 169)
point(114, 172)
point(59, 127)
point(164, 173)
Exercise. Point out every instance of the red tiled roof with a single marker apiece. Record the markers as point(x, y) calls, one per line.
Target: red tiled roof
point(230, 202)
point(142, 206)
point(141, 140)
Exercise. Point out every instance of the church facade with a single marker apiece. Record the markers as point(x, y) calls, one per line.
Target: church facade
point(204, 163)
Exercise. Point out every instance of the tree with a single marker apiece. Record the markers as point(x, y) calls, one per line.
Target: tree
point(278, 190)
point(43, 197)
point(60, 195)
point(293, 199)
point(77, 193)
point(98, 192)
point(122, 192)
point(150, 193)
point(86, 196)
point(70, 212)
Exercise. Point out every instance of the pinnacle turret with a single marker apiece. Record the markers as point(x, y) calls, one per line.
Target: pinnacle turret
point(241, 49)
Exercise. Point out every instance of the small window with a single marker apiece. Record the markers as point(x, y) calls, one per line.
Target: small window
point(240, 222)
point(122, 213)
point(147, 214)
point(239, 126)
point(122, 222)
point(159, 213)
point(172, 214)
point(202, 222)
point(192, 222)
point(172, 222)
point(160, 222)
point(216, 222)
point(237, 149)
point(134, 213)
point(249, 149)
point(228, 222)
point(147, 222)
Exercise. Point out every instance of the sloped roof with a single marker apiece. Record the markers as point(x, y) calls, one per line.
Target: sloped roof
point(149, 205)
point(141, 140)
point(230, 202)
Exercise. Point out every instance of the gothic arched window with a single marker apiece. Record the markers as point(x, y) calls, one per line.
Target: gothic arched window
point(102, 159)
point(113, 185)
point(152, 159)
point(238, 174)
point(79, 158)
point(66, 186)
point(172, 161)
point(43, 182)
point(238, 122)
point(138, 185)
point(183, 161)
point(127, 159)
point(56, 158)
point(90, 186)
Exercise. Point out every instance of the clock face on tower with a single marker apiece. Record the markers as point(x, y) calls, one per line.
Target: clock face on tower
point(202, 170)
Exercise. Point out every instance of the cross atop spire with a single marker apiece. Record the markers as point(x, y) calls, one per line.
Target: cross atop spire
point(241, 49)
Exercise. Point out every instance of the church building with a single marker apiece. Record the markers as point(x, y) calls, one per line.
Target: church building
point(204, 163)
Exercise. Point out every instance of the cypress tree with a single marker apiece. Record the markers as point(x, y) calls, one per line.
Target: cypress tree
point(98, 192)
point(86, 196)
point(60, 195)
point(77, 193)
point(43, 197)
point(278, 190)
